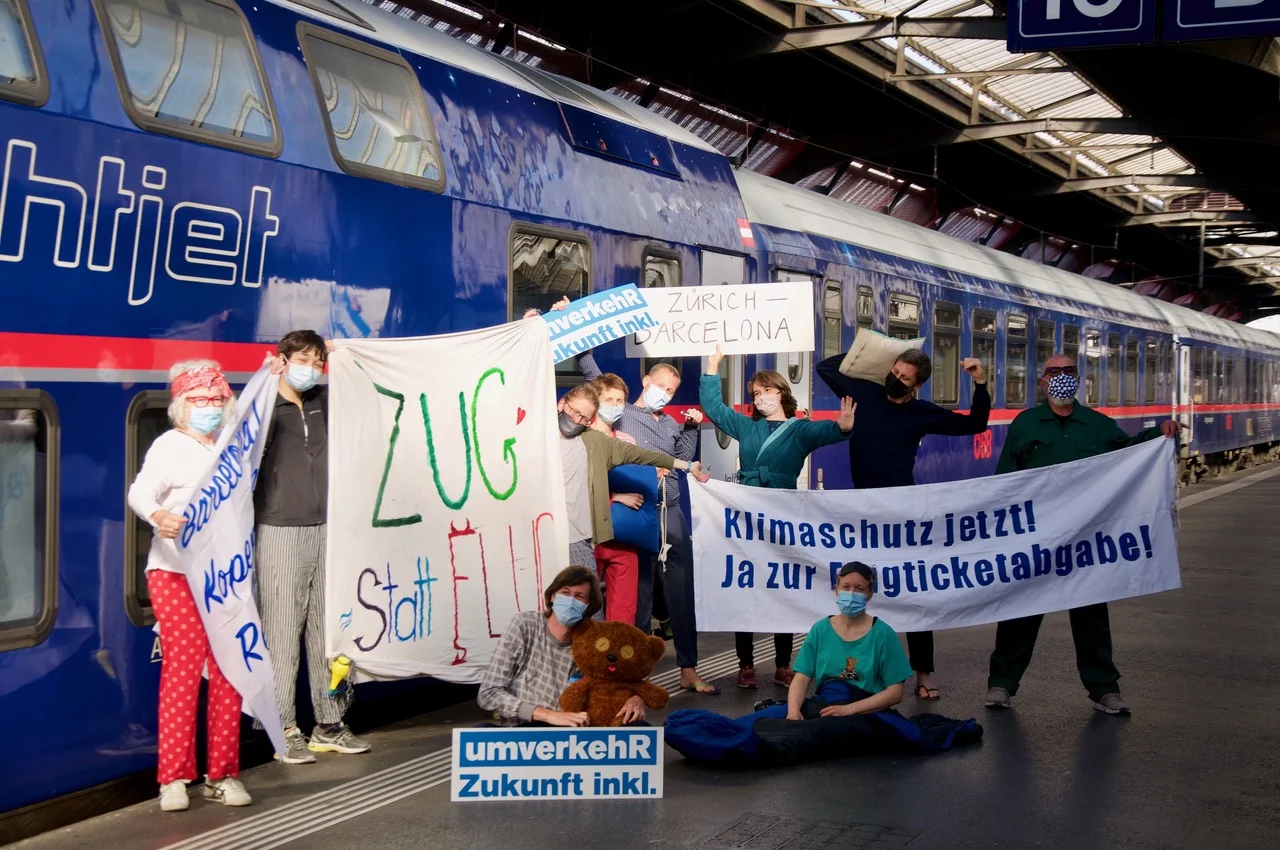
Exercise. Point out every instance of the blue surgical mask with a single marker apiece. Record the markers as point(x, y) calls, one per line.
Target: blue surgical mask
point(610, 413)
point(205, 420)
point(568, 610)
point(301, 378)
point(851, 604)
point(655, 398)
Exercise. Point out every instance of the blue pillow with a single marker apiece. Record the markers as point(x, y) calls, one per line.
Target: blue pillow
point(635, 528)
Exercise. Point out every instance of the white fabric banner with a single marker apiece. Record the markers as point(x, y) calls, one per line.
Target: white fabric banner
point(742, 318)
point(446, 498)
point(216, 554)
point(947, 555)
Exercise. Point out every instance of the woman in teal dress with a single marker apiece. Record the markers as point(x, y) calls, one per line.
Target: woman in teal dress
point(772, 447)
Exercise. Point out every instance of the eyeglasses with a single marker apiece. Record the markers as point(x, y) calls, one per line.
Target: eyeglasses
point(578, 416)
point(1053, 371)
point(206, 401)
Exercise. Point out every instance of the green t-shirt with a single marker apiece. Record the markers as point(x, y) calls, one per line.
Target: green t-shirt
point(873, 662)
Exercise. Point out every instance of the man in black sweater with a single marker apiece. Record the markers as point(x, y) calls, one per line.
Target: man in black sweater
point(891, 423)
point(291, 501)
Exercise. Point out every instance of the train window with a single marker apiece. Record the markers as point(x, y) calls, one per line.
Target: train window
point(1113, 368)
point(1197, 375)
point(1131, 370)
point(1092, 367)
point(866, 308)
point(984, 344)
point(373, 109)
point(29, 435)
point(1044, 350)
point(22, 74)
point(904, 316)
point(190, 68)
point(547, 265)
point(1233, 380)
point(832, 319)
point(660, 270)
point(1153, 364)
point(1015, 361)
point(1071, 342)
point(946, 354)
point(147, 419)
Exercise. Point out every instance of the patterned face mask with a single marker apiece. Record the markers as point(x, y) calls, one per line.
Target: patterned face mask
point(1064, 387)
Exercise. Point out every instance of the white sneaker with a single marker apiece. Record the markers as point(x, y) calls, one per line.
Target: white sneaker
point(228, 790)
point(173, 797)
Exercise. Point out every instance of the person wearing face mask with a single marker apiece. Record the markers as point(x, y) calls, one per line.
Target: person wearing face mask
point(651, 427)
point(174, 466)
point(773, 446)
point(882, 450)
point(533, 662)
point(617, 563)
point(1060, 430)
point(291, 509)
point(586, 457)
point(851, 646)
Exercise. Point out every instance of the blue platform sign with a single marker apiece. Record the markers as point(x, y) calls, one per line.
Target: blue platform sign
point(1064, 24)
point(1199, 20)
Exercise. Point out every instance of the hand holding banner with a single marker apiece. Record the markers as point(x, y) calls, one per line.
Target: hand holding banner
point(216, 555)
point(946, 555)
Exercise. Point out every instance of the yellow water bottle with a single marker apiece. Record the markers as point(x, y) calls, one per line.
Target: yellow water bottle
point(340, 671)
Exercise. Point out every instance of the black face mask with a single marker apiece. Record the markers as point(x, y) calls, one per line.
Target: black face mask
point(895, 388)
point(568, 427)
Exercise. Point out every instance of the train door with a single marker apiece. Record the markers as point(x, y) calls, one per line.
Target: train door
point(719, 452)
point(797, 368)
point(1184, 399)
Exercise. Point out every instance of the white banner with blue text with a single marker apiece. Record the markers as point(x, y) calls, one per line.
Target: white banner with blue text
point(947, 555)
point(623, 763)
point(446, 498)
point(216, 553)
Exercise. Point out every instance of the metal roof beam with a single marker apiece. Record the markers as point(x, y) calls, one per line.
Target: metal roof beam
point(829, 35)
point(1237, 262)
point(1093, 184)
point(1003, 71)
point(1005, 129)
point(1061, 102)
point(1188, 217)
point(1250, 241)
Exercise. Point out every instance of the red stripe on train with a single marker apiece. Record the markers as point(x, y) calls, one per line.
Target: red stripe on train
point(59, 351)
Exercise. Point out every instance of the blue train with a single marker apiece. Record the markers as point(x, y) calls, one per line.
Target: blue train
point(193, 178)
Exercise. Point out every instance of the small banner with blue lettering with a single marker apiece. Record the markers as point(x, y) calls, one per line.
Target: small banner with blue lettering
point(216, 554)
point(959, 553)
point(596, 319)
point(622, 763)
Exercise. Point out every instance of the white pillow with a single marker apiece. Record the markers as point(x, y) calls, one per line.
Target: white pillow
point(873, 354)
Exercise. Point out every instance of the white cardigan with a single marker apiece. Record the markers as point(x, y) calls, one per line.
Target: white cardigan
point(171, 471)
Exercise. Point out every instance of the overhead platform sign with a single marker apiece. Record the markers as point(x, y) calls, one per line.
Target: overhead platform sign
point(1036, 25)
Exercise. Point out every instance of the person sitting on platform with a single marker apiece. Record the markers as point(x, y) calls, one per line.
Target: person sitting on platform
point(533, 662)
point(853, 647)
point(773, 447)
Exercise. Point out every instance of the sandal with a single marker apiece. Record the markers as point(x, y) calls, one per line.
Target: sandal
point(927, 693)
point(701, 687)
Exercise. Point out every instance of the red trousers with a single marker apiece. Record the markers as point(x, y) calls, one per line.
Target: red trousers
point(186, 651)
point(618, 566)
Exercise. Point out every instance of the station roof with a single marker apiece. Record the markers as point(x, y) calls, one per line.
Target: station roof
point(1122, 155)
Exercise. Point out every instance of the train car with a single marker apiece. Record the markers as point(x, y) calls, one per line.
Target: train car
point(194, 178)
point(1141, 360)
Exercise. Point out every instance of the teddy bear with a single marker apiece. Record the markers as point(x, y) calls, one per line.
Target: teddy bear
point(615, 659)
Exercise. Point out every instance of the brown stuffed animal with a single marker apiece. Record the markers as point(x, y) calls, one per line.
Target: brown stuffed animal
point(615, 659)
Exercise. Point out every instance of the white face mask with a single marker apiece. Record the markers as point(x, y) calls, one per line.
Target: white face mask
point(610, 413)
point(768, 404)
point(655, 398)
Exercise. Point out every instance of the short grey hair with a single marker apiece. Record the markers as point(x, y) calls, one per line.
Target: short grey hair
point(179, 410)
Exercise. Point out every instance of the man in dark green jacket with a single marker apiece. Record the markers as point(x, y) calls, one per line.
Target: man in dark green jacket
point(1059, 431)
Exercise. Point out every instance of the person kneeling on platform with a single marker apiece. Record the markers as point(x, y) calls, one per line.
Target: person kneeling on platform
point(533, 662)
point(852, 647)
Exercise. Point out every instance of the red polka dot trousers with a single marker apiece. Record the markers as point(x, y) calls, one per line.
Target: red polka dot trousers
point(186, 651)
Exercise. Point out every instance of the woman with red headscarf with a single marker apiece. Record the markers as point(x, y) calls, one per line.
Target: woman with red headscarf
point(173, 468)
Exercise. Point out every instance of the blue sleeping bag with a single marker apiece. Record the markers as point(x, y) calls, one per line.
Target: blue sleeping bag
point(635, 528)
point(765, 738)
